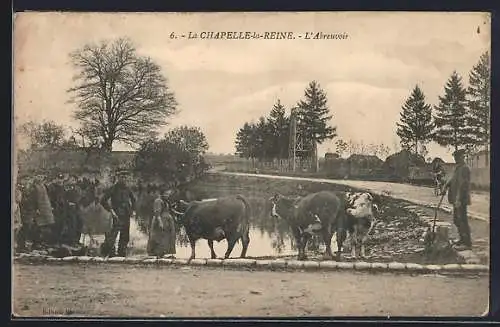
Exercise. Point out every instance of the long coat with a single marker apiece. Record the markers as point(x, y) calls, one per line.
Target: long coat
point(459, 185)
point(46, 216)
point(17, 210)
point(161, 231)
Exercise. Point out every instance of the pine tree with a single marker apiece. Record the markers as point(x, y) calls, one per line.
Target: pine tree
point(451, 115)
point(478, 99)
point(279, 127)
point(415, 127)
point(264, 141)
point(243, 141)
point(313, 116)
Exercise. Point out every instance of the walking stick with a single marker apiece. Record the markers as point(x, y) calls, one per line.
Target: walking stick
point(435, 217)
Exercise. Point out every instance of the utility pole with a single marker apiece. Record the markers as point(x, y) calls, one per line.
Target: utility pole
point(292, 144)
point(296, 143)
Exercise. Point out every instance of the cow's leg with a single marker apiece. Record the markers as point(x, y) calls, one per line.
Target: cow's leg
point(363, 254)
point(192, 242)
point(231, 241)
point(341, 235)
point(303, 245)
point(327, 238)
point(245, 240)
point(299, 240)
point(355, 241)
point(212, 252)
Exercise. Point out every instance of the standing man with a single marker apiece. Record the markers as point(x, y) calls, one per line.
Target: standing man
point(122, 206)
point(73, 223)
point(459, 196)
point(45, 223)
point(57, 195)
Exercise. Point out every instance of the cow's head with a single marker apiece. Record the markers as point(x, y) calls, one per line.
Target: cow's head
point(179, 208)
point(281, 206)
point(360, 204)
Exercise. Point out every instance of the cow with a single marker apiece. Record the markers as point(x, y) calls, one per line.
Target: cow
point(317, 213)
point(360, 219)
point(217, 219)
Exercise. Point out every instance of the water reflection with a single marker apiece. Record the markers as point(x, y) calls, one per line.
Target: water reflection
point(269, 236)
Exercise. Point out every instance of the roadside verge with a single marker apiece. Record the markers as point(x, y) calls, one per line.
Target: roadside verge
point(270, 265)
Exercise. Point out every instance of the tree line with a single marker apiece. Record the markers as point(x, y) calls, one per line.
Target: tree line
point(461, 119)
point(269, 137)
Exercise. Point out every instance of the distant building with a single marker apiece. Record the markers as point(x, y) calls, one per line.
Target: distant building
point(364, 165)
point(331, 156)
point(399, 165)
point(480, 159)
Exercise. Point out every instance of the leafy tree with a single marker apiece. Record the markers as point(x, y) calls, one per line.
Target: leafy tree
point(451, 115)
point(478, 99)
point(313, 117)
point(279, 126)
point(44, 134)
point(190, 139)
point(416, 126)
point(169, 160)
point(120, 95)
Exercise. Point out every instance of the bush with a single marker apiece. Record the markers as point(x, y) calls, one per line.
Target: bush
point(169, 162)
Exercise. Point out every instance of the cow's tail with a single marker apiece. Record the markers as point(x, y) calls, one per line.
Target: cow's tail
point(245, 226)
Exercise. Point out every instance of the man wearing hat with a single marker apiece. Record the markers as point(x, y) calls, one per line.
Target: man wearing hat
point(122, 206)
point(459, 196)
point(57, 195)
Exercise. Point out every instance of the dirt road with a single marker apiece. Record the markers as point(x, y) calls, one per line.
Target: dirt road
point(480, 201)
point(116, 290)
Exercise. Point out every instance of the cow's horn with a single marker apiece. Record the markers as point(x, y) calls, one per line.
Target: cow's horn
point(177, 212)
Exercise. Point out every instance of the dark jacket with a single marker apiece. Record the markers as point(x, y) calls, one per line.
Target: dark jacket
point(122, 199)
point(459, 185)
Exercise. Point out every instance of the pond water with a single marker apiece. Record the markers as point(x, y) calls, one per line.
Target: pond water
point(261, 245)
point(395, 236)
point(265, 241)
point(268, 237)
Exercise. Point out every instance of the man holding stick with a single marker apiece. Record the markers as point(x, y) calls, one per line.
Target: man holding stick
point(458, 188)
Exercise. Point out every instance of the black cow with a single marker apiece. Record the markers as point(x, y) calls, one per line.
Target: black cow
point(321, 212)
point(217, 219)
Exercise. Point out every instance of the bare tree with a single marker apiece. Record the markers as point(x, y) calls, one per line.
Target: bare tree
point(341, 147)
point(120, 95)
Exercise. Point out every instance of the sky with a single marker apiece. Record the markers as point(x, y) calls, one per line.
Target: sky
point(221, 84)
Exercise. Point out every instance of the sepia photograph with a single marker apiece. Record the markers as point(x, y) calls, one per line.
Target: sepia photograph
point(251, 164)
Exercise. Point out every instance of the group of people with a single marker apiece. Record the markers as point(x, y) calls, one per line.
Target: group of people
point(48, 213)
point(47, 209)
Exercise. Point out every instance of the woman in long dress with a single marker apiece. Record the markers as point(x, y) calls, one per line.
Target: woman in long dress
point(161, 229)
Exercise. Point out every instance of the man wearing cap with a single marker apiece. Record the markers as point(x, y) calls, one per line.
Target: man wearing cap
point(122, 206)
point(459, 196)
